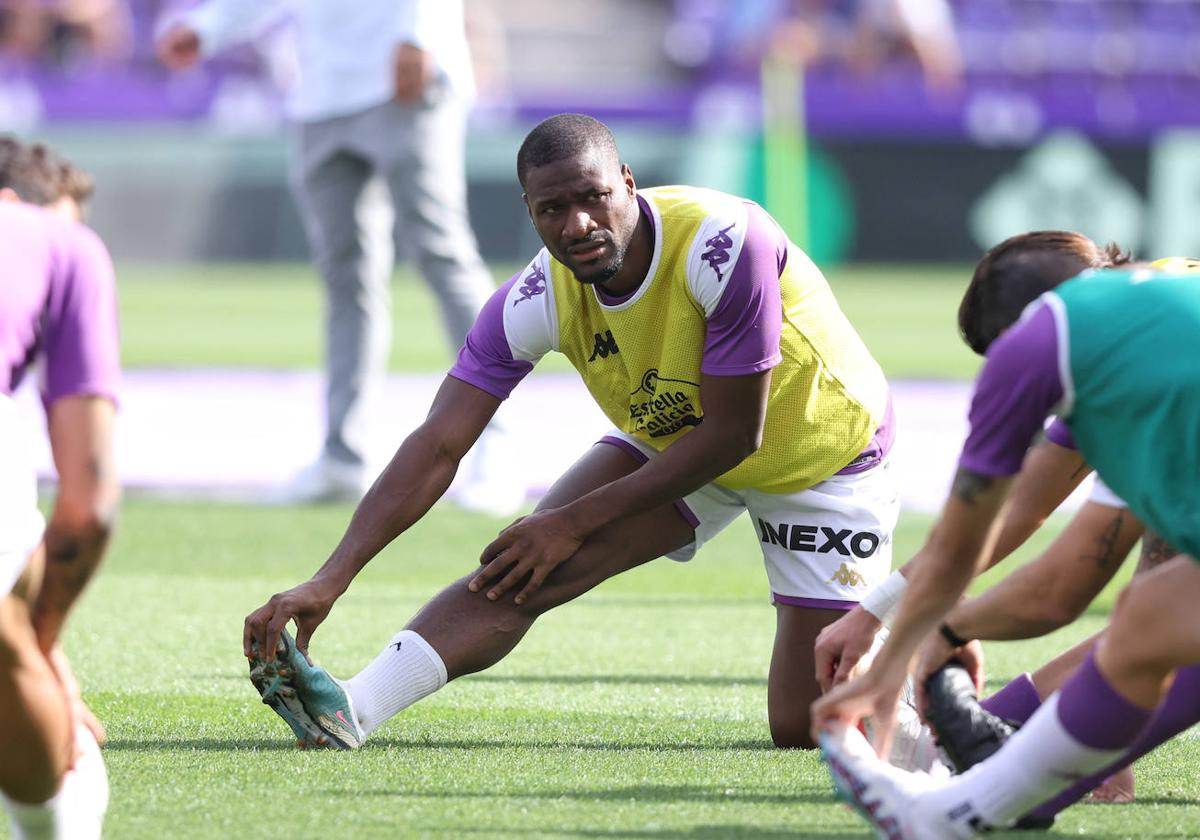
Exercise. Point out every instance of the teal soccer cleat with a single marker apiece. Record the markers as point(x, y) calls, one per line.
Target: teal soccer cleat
point(314, 704)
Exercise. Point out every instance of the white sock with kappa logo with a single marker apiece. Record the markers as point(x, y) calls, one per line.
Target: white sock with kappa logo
point(404, 672)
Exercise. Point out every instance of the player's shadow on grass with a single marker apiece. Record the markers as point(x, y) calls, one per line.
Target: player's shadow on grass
point(200, 745)
point(640, 794)
point(273, 744)
point(558, 744)
point(700, 832)
point(633, 679)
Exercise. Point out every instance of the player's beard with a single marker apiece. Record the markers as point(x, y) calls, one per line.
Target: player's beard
point(600, 276)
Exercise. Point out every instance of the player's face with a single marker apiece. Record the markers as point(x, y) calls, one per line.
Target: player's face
point(585, 210)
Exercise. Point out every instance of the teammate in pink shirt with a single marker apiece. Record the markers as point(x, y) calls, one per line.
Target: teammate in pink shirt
point(58, 312)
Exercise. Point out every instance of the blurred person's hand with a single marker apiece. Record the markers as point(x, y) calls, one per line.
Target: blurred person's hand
point(80, 714)
point(413, 70)
point(178, 47)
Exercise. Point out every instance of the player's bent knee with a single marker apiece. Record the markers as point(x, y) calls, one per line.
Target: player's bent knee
point(792, 733)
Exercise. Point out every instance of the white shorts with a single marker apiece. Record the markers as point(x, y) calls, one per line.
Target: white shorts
point(824, 547)
point(21, 524)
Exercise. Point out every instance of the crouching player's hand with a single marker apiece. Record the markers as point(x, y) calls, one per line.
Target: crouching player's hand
point(842, 645)
point(81, 715)
point(309, 604)
point(935, 653)
point(874, 694)
point(532, 547)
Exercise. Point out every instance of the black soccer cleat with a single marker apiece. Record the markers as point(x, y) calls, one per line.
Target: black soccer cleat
point(967, 732)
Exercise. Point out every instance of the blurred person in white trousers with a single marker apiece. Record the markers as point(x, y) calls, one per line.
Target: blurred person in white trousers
point(378, 123)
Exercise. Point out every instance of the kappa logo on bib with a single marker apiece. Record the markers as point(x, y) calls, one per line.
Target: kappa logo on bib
point(818, 538)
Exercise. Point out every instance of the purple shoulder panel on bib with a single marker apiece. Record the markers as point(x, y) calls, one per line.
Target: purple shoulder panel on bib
point(485, 359)
point(743, 332)
point(1019, 386)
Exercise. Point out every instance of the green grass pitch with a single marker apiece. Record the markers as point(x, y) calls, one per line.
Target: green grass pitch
point(638, 711)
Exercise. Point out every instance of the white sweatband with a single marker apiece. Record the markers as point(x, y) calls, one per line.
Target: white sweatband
point(882, 600)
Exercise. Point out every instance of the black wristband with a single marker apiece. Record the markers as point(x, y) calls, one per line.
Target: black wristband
point(950, 636)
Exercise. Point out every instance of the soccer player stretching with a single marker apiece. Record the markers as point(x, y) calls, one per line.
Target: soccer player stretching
point(734, 384)
point(1112, 352)
point(59, 308)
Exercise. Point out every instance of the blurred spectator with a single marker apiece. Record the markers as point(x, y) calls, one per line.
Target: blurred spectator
point(379, 121)
point(489, 52)
point(62, 31)
point(863, 35)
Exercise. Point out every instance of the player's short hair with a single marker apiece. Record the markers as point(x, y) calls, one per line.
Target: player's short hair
point(561, 137)
point(39, 175)
point(1020, 269)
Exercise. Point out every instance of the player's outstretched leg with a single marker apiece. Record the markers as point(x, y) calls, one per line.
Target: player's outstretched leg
point(460, 632)
point(1091, 723)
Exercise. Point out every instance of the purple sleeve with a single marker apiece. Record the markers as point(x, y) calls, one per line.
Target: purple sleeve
point(1060, 433)
point(82, 349)
point(486, 360)
point(1019, 385)
point(743, 331)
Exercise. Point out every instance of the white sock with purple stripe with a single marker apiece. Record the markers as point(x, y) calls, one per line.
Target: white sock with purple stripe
point(404, 672)
point(1078, 730)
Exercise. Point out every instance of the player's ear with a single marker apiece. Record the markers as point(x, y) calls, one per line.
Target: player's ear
point(528, 209)
point(627, 177)
point(9, 194)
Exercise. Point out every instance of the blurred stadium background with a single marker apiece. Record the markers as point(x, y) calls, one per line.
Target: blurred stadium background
point(895, 140)
point(895, 150)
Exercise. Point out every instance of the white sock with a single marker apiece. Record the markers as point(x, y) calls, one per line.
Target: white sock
point(1039, 761)
point(76, 812)
point(404, 672)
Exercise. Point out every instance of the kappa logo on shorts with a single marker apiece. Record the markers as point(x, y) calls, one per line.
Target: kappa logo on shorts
point(862, 544)
point(847, 577)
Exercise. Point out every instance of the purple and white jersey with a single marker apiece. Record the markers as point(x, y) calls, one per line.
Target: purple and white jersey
point(59, 306)
point(1020, 385)
point(519, 324)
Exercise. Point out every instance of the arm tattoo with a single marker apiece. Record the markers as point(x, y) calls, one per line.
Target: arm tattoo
point(1155, 551)
point(969, 485)
point(1107, 555)
point(71, 557)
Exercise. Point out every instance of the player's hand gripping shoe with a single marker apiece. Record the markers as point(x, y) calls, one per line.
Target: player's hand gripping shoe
point(310, 701)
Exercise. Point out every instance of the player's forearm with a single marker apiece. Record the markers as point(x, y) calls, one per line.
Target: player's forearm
point(1053, 591)
point(937, 578)
point(684, 467)
point(74, 549)
point(1049, 474)
point(417, 476)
